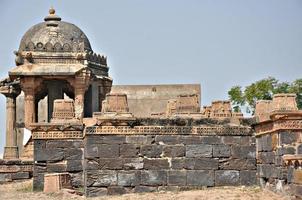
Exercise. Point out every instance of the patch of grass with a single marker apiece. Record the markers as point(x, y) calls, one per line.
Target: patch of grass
point(25, 188)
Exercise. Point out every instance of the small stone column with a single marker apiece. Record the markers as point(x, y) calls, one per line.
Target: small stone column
point(79, 93)
point(29, 106)
point(10, 91)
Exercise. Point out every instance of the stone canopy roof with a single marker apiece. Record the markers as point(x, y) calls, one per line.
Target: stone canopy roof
point(54, 35)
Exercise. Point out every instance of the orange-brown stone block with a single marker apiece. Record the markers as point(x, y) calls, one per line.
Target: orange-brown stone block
point(284, 102)
point(63, 109)
point(263, 109)
point(55, 182)
point(297, 176)
point(221, 109)
point(115, 103)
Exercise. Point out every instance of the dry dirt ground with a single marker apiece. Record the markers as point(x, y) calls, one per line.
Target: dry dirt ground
point(22, 190)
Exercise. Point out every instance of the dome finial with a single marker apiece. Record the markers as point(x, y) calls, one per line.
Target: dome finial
point(52, 16)
point(52, 11)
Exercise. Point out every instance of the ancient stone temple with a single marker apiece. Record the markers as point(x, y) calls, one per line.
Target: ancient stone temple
point(67, 126)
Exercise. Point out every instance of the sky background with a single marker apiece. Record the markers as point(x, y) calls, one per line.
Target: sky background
point(218, 44)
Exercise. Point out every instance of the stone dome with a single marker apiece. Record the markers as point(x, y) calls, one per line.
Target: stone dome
point(54, 35)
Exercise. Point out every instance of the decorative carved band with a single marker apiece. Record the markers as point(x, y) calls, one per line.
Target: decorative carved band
point(166, 130)
point(292, 160)
point(291, 124)
point(16, 168)
point(57, 134)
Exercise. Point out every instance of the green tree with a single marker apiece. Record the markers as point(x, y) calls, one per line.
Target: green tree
point(263, 90)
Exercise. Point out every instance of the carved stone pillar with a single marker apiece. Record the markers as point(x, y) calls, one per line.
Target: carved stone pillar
point(11, 148)
point(29, 106)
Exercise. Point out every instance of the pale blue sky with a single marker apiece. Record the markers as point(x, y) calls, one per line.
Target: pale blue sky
point(215, 43)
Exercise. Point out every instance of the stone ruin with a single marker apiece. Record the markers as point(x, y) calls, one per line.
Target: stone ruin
point(81, 135)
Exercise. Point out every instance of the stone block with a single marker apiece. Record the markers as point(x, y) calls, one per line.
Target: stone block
point(143, 189)
point(95, 191)
point(266, 142)
point(56, 181)
point(226, 177)
point(20, 175)
point(178, 163)
point(140, 139)
point(38, 182)
point(248, 177)
point(5, 177)
point(129, 150)
point(169, 188)
point(116, 190)
point(202, 163)
point(91, 151)
point(287, 137)
point(266, 157)
point(201, 150)
point(299, 149)
point(56, 167)
point(238, 164)
point(211, 139)
point(77, 179)
point(151, 151)
point(167, 139)
point(39, 144)
point(267, 171)
point(115, 139)
point(74, 165)
point(133, 163)
point(111, 163)
point(174, 151)
point(297, 176)
point(200, 177)
point(280, 151)
point(100, 178)
point(153, 164)
point(221, 151)
point(248, 152)
point(54, 144)
point(108, 151)
point(153, 177)
point(177, 177)
point(91, 164)
point(128, 178)
point(49, 155)
point(189, 139)
point(73, 154)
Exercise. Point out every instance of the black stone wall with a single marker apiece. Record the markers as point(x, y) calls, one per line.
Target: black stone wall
point(12, 170)
point(118, 164)
point(55, 156)
point(271, 168)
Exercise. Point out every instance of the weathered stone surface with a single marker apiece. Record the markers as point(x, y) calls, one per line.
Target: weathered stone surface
point(38, 182)
point(267, 171)
point(49, 155)
point(266, 157)
point(238, 164)
point(248, 152)
point(56, 167)
point(200, 177)
point(203, 163)
point(167, 139)
point(91, 164)
point(248, 177)
point(266, 143)
point(177, 177)
point(4, 177)
point(96, 191)
point(152, 164)
point(151, 151)
point(128, 178)
point(115, 139)
point(299, 149)
point(226, 177)
point(63, 144)
point(139, 139)
point(129, 150)
point(238, 140)
point(287, 137)
point(99, 178)
point(74, 165)
point(174, 151)
point(202, 150)
point(91, 151)
point(211, 139)
point(20, 175)
point(73, 154)
point(189, 139)
point(143, 189)
point(116, 190)
point(285, 150)
point(178, 163)
point(77, 179)
point(153, 177)
point(111, 163)
point(133, 163)
point(108, 151)
point(221, 150)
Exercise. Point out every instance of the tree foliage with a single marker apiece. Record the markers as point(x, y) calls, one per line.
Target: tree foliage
point(263, 90)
